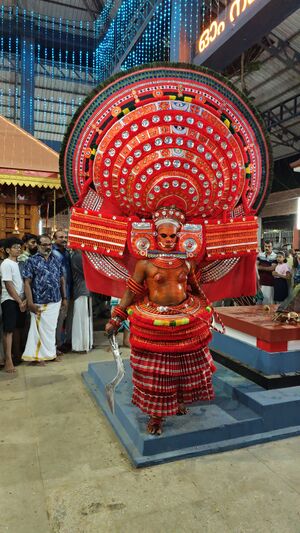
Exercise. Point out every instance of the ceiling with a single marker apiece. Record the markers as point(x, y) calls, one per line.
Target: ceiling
point(269, 73)
point(85, 10)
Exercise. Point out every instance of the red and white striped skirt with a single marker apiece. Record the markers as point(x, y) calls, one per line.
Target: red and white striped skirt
point(171, 363)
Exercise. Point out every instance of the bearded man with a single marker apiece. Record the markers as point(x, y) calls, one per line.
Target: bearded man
point(45, 291)
point(29, 249)
point(169, 328)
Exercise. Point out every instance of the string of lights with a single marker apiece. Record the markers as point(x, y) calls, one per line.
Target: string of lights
point(153, 45)
point(67, 58)
point(8, 102)
point(17, 66)
point(203, 20)
point(2, 37)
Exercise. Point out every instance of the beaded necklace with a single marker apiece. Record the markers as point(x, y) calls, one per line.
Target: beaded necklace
point(167, 262)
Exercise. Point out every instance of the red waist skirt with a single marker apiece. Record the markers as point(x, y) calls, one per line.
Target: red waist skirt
point(169, 355)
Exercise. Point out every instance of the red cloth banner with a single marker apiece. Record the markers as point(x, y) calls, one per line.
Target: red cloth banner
point(240, 281)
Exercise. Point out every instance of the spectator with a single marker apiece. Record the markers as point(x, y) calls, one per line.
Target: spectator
point(2, 257)
point(2, 251)
point(281, 274)
point(63, 340)
point(296, 267)
point(290, 258)
point(266, 263)
point(13, 303)
point(82, 325)
point(283, 243)
point(30, 248)
point(45, 292)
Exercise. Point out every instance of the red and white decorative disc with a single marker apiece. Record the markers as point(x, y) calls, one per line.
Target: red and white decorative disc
point(169, 136)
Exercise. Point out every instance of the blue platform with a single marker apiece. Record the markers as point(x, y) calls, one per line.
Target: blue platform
point(242, 414)
point(268, 363)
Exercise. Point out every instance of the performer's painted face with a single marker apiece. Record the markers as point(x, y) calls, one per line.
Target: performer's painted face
point(167, 236)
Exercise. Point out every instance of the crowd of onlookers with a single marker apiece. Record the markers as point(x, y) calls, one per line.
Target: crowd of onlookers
point(278, 272)
point(46, 306)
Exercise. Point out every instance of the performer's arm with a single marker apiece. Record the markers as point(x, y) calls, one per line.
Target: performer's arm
point(195, 285)
point(138, 278)
point(192, 280)
point(134, 288)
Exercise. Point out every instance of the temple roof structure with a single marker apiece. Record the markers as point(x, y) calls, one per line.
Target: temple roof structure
point(25, 160)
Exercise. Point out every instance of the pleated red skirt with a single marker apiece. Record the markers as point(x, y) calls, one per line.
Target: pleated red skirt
point(171, 361)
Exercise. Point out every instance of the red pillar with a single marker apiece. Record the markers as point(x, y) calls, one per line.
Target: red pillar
point(296, 239)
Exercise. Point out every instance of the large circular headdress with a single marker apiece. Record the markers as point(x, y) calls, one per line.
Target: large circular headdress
point(167, 135)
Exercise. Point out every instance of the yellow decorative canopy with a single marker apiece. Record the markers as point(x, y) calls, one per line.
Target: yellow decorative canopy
point(50, 182)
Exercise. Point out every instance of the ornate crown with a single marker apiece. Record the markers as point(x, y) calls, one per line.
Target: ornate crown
point(168, 215)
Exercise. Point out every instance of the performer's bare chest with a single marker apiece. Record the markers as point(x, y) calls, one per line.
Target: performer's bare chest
point(168, 272)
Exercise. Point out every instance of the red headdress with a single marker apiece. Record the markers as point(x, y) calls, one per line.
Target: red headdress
point(168, 215)
point(172, 137)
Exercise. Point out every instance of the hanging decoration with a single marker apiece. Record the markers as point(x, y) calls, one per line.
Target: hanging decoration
point(16, 226)
point(54, 228)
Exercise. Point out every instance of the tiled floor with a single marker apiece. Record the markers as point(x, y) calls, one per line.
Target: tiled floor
point(63, 471)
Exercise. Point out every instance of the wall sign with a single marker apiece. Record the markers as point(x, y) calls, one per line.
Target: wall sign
point(232, 14)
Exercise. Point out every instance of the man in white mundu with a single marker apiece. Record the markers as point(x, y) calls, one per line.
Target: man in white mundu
point(45, 291)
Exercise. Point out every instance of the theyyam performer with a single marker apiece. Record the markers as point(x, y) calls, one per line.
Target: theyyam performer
point(169, 326)
point(166, 167)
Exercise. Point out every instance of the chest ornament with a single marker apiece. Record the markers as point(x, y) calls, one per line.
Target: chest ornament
point(167, 262)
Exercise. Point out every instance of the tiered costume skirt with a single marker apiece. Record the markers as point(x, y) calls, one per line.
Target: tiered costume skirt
point(170, 358)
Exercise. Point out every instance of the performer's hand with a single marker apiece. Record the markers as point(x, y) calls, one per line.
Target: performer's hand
point(110, 329)
point(35, 309)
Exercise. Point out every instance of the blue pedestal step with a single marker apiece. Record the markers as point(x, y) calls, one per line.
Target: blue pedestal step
point(242, 414)
point(268, 363)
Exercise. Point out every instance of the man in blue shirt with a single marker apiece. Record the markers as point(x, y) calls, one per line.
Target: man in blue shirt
point(64, 323)
point(45, 292)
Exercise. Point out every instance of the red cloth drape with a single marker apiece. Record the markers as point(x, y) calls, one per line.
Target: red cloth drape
point(240, 281)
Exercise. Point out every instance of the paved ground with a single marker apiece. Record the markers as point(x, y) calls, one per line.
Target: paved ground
point(63, 471)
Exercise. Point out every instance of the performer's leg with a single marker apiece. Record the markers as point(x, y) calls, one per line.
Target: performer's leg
point(154, 426)
point(182, 409)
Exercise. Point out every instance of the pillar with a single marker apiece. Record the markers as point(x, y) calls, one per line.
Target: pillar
point(296, 239)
